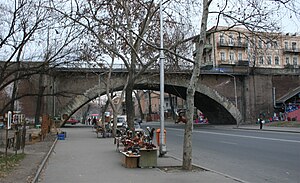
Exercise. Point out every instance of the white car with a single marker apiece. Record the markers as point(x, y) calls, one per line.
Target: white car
point(122, 121)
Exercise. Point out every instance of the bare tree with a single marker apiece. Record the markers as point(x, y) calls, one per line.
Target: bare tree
point(127, 31)
point(251, 14)
point(27, 35)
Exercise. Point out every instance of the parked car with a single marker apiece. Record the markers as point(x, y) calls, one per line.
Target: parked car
point(72, 121)
point(121, 121)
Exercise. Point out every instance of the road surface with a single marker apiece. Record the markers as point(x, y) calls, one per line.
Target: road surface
point(253, 156)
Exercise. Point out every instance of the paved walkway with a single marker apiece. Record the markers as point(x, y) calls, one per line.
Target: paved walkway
point(269, 128)
point(83, 158)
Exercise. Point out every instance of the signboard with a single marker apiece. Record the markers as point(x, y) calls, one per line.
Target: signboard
point(9, 119)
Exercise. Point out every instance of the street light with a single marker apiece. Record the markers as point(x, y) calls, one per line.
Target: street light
point(235, 93)
point(162, 145)
point(234, 82)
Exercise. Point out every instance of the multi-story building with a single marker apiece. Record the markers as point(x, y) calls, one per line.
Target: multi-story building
point(239, 46)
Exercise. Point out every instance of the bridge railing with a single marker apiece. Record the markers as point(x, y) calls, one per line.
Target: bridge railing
point(183, 68)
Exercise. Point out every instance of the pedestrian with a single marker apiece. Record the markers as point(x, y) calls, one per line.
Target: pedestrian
point(260, 121)
point(89, 121)
point(94, 121)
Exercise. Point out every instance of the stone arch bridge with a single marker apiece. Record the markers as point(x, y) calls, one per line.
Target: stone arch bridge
point(215, 91)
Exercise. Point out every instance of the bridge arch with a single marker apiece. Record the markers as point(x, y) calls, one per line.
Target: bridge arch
point(216, 107)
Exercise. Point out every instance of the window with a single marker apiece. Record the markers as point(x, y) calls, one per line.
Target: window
point(287, 60)
point(269, 45)
point(295, 61)
point(259, 44)
point(276, 60)
point(269, 58)
point(240, 56)
point(222, 40)
point(247, 43)
point(275, 43)
point(230, 41)
point(254, 58)
point(286, 45)
point(261, 60)
point(222, 56)
point(294, 45)
point(239, 40)
point(231, 56)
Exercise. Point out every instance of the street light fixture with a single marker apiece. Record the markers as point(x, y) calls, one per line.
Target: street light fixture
point(235, 93)
point(234, 82)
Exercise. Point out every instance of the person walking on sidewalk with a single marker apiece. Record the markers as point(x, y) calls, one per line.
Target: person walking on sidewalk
point(260, 121)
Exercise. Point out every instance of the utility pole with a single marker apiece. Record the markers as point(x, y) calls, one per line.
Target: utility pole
point(162, 145)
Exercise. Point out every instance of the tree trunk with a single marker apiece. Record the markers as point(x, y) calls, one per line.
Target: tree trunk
point(103, 118)
point(13, 95)
point(150, 106)
point(172, 107)
point(129, 105)
point(39, 100)
point(138, 98)
point(187, 145)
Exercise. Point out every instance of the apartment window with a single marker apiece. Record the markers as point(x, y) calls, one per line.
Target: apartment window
point(247, 43)
point(287, 60)
point(294, 45)
point(275, 44)
point(261, 60)
point(240, 55)
point(223, 56)
point(276, 60)
point(254, 58)
point(269, 60)
point(222, 40)
point(259, 44)
point(295, 61)
point(286, 45)
point(239, 40)
point(230, 39)
point(231, 56)
point(269, 45)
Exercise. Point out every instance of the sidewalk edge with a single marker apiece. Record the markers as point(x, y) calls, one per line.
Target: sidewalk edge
point(214, 171)
point(273, 130)
point(42, 165)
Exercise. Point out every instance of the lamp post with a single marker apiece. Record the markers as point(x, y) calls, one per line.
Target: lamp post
point(235, 92)
point(234, 83)
point(162, 145)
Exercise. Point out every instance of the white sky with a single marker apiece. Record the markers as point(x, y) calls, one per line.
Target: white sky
point(289, 22)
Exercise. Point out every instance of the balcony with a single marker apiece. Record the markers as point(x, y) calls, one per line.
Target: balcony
point(234, 44)
point(291, 50)
point(290, 66)
point(243, 63)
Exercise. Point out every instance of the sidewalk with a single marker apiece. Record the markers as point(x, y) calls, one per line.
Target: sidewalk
point(82, 157)
point(269, 128)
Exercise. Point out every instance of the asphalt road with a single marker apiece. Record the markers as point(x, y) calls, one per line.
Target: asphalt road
point(253, 156)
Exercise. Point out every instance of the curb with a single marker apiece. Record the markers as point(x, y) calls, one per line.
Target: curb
point(208, 169)
point(273, 130)
point(42, 165)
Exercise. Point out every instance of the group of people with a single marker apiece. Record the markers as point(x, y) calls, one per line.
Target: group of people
point(92, 121)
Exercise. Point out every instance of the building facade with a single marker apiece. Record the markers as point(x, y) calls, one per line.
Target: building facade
point(239, 46)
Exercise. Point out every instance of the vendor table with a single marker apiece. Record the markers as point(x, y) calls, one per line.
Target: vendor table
point(148, 158)
point(130, 161)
